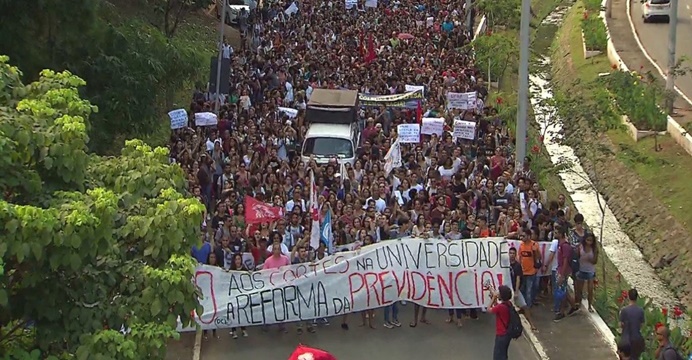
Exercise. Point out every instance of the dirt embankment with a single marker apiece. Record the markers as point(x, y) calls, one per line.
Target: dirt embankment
point(664, 242)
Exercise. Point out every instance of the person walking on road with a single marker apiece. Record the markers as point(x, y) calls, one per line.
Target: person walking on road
point(516, 274)
point(500, 306)
point(631, 321)
point(564, 269)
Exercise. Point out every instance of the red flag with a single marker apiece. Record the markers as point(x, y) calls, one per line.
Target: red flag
point(259, 212)
point(370, 57)
point(306, 353)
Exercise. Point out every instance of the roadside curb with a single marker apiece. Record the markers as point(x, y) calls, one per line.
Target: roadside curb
point(197, 349)
point(646, 54)
point(533, 340)
point(677, 132)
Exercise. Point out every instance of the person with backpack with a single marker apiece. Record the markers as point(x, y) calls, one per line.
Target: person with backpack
point(507, 323)
point(666, 350)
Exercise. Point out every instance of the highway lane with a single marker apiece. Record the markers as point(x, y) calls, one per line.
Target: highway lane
point(438, 340)
point(654, 37)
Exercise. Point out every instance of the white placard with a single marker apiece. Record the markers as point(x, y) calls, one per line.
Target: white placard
point(432, 126)
point(464, 130)
point(290, 112)
point(178, 118)
point(414, 88)
point(370, 3)
point(350, 4)
point(206, 119)
point(291, 9)
point(429, 21)
point(392, 159)
point(437, 274)
point(463, 101)
point(408, 133)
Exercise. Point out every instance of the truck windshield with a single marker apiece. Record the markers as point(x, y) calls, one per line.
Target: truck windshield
point(326, 146)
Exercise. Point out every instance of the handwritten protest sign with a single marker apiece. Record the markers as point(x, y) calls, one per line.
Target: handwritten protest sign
point(412, 88)
point(437, 274)
point(350, 4)
point(206, 119)
point(464, 130)
point(290, 112)
point(178, 118)
point(408, 133)
point(462, 101)
point(432, 126)
point(371, 3)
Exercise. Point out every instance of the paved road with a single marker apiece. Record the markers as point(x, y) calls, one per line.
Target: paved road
point(439, 340)
point(654, 37)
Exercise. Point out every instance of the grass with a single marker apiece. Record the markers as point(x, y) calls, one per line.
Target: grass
point(198, 31)
point(595, 36)
point(671, 166)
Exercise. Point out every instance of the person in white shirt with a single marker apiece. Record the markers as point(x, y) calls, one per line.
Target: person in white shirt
point(550, 266)
point(296, 201)
point(380, 204)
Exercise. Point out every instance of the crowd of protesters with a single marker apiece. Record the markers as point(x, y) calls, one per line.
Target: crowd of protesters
point(447, 188)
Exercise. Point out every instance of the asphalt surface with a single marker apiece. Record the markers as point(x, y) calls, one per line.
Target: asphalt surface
point(438, 340)
point(654, 37)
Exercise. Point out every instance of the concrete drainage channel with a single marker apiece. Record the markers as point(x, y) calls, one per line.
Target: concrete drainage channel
point(619, 248)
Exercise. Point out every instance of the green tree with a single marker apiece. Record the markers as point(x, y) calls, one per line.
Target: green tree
point(494, 53)
point(131, 75)
point(171, 12)
point(90, 244)
point(505, 13)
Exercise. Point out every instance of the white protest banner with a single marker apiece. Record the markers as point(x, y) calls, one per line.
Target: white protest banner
point(370, 3)
point(408, 133)
point(412, 88)
point(432, 126)
point(429, 21)
point(290, 112)
point(350, 4)
point(464, 129)
point(178, 118)
point(206, 119)
point(461, 100)
point(437, 274)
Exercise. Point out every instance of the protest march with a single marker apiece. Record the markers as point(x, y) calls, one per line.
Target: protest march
point(356, 164)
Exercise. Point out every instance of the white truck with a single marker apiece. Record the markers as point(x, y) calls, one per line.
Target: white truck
point(333, 129)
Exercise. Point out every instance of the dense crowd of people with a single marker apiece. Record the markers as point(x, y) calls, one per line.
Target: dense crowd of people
point(446, 187)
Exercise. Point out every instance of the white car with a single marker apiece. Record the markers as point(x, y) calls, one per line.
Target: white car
point(655, 10)
point(234, 8)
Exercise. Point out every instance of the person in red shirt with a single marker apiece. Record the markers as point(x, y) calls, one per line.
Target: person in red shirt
point(501, 309)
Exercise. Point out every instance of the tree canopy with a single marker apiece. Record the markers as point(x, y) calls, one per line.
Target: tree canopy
point(126, 51)
point(90, 245)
